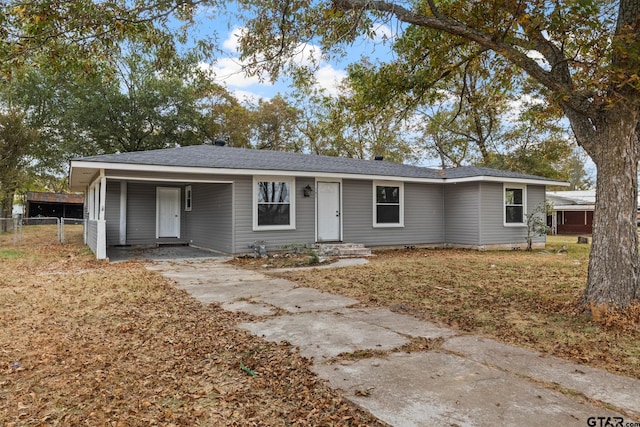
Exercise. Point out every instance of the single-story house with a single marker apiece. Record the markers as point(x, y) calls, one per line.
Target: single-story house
point(571, 211)
point(226, 199)
point(55, 205)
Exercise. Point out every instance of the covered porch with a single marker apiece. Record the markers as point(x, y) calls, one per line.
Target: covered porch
point(129, 210)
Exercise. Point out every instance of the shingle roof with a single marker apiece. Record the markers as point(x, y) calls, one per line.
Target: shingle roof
point(473, 171)
point(210, 156)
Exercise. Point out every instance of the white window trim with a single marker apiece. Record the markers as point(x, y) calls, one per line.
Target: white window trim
point(524, 205)
point(292, 202)
point(400, 186)
point(188, 198)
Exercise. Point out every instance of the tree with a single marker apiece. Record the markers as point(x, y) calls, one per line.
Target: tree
point(16, 143)
point(574, 169)
point(346, 125)
point(536, 221)
point(583, 56)
point(65, 35)
point(226, 118)
point(136, 106)
point(274, 126)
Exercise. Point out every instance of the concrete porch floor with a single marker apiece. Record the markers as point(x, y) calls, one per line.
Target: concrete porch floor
point(160, 253)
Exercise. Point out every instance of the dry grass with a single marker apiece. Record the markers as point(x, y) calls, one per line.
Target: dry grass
point(89, 343)
point(529, 299)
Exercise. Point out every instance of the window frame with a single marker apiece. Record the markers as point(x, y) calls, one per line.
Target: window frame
point(505, 187)
point(292, 202)
point(188, 198)
point(400, 185)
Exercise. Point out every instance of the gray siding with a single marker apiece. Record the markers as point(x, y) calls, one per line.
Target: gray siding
point(141, 213)
point(462, 219)
point(492, 228)
point(222, 214)
point(92, 235)
point(112, 213)
point(210, 222)
point(274, 239)
point(423, 215)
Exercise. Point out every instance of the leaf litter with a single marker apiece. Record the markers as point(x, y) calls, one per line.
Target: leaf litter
point(528, 299)
point(89, 343)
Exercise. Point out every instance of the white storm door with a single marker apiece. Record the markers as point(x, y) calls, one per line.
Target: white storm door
point(328, 211)
point(167, 212)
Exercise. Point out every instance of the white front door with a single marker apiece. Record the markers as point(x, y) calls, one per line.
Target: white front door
point(328, 211)
point(167, 212)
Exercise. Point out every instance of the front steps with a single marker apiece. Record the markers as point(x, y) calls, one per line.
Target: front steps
point(343, 249)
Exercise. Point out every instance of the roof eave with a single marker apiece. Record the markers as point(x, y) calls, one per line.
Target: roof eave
point(487, 178)
point(83, 164)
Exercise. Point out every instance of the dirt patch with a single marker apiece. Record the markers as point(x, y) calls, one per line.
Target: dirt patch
point(284, 260)
point(90, 343)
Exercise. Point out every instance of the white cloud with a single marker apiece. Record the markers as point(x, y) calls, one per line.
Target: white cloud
point(232, 41)
point(230, 71)
point(329, 79)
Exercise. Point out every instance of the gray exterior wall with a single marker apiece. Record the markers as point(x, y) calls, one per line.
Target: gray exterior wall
point(222, 215)
point(462, 219)
point(92, 235)
point(423, 215)
point(492, 228)
point(210, 222)
point(208, 225)
point(274, 239)
point(112, 213)
point(141, 213)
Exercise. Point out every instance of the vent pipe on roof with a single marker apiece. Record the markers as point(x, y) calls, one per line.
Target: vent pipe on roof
point(378, 158)
point(219, 142)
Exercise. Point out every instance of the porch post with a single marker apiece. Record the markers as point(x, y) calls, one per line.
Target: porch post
point(101, 244)
point(123, 212)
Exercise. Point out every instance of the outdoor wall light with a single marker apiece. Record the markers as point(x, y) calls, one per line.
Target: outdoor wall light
point(307, 191)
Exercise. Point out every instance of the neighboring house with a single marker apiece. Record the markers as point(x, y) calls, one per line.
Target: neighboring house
point(54, 205)
point(226, 199)
point(572, 211)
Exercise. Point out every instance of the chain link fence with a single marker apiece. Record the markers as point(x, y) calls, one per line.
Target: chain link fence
point(39, 230)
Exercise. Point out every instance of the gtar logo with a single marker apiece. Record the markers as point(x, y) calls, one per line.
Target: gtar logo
point(605, 422)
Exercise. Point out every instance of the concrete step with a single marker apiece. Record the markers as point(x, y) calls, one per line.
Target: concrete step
point(343, 249)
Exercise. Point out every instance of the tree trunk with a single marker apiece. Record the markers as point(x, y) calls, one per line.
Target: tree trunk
point(613, 262)
point(6, 208)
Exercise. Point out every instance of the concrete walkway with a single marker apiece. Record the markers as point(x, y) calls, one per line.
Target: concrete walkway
point(461, 380)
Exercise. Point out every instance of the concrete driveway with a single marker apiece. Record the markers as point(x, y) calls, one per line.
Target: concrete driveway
point(457, 380)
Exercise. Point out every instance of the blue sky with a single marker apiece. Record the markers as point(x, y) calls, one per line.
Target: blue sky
point(228, 67)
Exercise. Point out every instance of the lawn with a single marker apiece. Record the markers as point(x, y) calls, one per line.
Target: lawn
point(529, 299)
point(89, 343)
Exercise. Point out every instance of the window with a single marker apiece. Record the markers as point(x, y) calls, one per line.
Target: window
point(388, 204)
point(274, 204)
point(514, 205)
point(187, 198)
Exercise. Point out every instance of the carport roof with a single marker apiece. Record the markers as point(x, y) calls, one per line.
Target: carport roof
point(233, 159)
